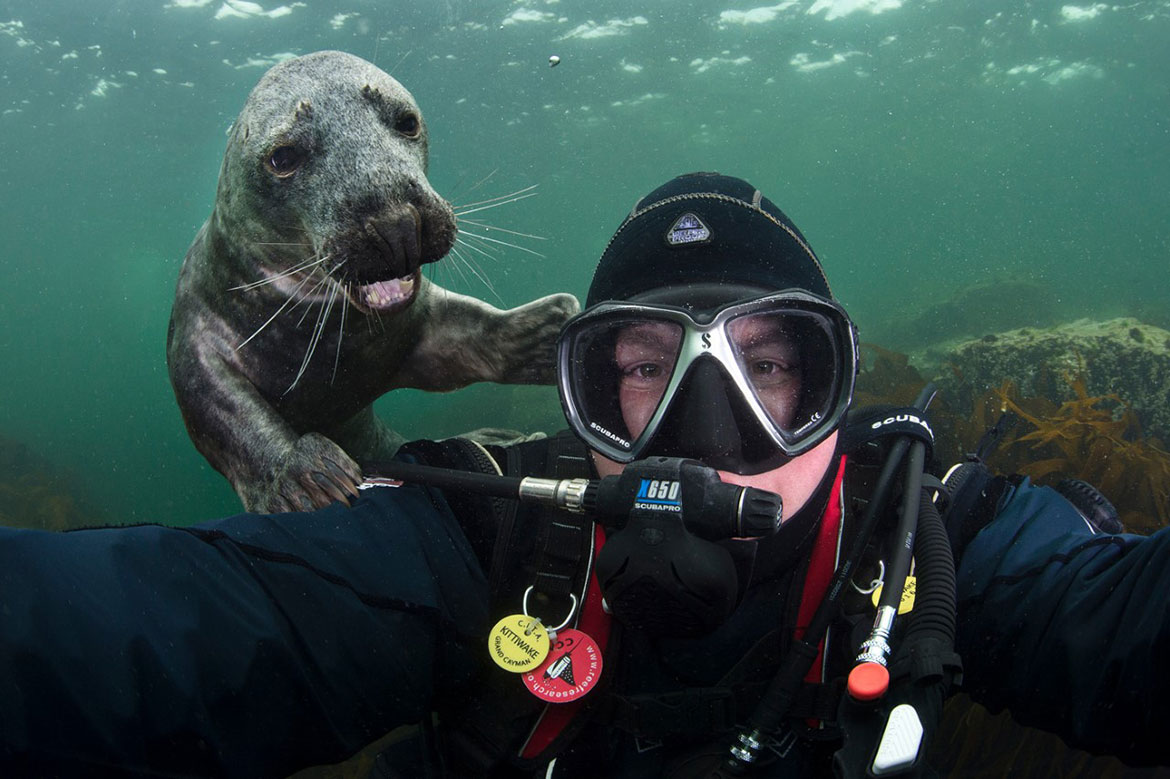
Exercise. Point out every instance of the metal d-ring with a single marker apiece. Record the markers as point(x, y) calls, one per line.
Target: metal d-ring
point(572, 609)
point(873, 585)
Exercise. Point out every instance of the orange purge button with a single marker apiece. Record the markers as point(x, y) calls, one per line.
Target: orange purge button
point(868, 681)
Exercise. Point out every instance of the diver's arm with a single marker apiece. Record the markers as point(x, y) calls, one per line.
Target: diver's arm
point(247, 646)
point(1068, 629)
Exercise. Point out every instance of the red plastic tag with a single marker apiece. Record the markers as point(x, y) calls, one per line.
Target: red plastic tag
point(571, 669)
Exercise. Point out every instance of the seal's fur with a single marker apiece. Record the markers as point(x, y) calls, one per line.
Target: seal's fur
point(300, 301)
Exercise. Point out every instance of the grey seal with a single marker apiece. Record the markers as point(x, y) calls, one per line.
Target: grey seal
point(301, 299)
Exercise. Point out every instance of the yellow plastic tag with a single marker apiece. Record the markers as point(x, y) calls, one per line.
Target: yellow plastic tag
point(518, 643)
point(907, 603)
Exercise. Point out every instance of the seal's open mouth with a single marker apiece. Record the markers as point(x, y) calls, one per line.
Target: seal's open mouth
point(385, 295)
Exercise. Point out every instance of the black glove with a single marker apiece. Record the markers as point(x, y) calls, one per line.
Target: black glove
point(975, 496)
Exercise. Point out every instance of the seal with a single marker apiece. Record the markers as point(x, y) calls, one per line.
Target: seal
point(301, 299)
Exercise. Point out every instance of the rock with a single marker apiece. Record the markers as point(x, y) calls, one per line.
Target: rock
point(1124, 357)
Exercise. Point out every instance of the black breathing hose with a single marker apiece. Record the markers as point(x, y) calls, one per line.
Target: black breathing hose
point(448, 478)
point(903, 547)
point(774, 705)
point(923, 666)
point(782, 690)
point(935, 612)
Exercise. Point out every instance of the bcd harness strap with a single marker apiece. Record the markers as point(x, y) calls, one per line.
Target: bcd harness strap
point(483, 729)
point(567, 555)
point(710, 711)
point(870, 423)
point(565, 551)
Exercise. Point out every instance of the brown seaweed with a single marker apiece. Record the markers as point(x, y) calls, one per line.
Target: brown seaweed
point(888, 377)
point(1095, 438)
point(35, 493)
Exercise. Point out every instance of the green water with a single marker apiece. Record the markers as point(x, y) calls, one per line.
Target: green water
point(921, 149)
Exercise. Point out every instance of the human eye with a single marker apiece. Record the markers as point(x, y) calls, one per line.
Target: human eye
point(644, 373)
point(766, 372)
point(644, 357)
point(765, 368)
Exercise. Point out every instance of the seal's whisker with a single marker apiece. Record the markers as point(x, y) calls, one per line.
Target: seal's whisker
point(305, 297)
point(457, 267)
point(484, 205)
point(478, 273)
point(316, 288)
point(349, 289)
point(474, 186)
point(340, 337)
point(499, 242)
point(487, 250)
point(296, 228)
point(282, 275)
point(369, 319)
point(401, 59)
point(528, 189)
point(438, 272)
point(283, 306)
point(325, 308)
point(486, 226)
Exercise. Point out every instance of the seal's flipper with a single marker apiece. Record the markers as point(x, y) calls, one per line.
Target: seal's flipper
point(313, 473)
point(463, 340)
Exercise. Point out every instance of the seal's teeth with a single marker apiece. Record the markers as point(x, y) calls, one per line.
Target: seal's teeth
point(384, 293)
point(374, 296)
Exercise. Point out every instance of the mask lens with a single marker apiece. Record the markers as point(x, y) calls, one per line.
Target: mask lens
point(620, 369)
point(781, 366)
point(790, 361)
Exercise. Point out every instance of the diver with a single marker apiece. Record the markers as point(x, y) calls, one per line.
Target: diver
point(697, 603)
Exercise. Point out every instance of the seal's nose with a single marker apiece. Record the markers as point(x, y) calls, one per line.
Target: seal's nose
point(437, 222)
point(395, 234)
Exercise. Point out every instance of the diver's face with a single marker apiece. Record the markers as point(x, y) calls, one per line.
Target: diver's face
point(645, 355)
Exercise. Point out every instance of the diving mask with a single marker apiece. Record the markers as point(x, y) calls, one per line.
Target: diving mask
point(741, 387)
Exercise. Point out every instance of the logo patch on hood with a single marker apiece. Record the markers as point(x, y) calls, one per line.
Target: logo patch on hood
point(687, 229)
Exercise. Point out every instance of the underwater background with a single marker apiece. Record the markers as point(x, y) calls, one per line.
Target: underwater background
point(924, 147)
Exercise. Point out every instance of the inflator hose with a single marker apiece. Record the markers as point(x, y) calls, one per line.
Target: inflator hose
point(924, 665)
point(934, 600)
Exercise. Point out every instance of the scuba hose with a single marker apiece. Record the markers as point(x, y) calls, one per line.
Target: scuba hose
point(722, 510)
point(884, 736)
point(778, 698)
point(923, 664)
point(870, 679)
point(749, 745)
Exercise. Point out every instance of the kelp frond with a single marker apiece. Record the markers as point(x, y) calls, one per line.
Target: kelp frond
point(1095, 438)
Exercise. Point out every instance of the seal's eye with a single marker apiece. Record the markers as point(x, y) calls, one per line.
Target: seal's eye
point(408, 125)
point(285, 160)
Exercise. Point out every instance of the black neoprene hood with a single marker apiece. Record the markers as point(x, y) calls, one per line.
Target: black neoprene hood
point(706, 228)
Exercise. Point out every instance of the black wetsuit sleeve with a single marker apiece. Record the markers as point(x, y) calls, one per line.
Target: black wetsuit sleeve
point(1069, 628)
point(251, 646)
